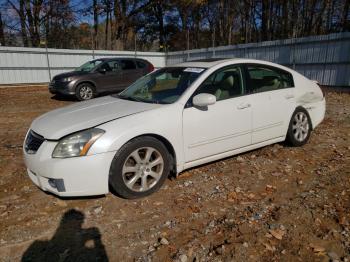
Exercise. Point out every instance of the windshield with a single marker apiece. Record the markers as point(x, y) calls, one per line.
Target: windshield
point(163, 86)
point(88, 66)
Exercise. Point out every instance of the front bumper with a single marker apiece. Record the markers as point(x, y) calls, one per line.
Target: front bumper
point(77, 176)
point(64, 88)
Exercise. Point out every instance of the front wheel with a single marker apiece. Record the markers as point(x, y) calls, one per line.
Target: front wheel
point(139, 168)
point(85, 91)
point(299, 130)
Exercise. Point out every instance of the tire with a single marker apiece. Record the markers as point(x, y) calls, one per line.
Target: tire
point(85, 91)
point(145, 176)
point(300, 127)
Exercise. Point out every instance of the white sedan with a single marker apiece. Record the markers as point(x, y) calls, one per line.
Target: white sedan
point(175, 118)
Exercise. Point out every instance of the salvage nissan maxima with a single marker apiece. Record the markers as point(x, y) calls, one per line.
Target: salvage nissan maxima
point(172, 119)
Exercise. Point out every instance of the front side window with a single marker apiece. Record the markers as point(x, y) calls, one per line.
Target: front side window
point(113, 65)
point(89, 66)
point(223, 84)
point(263, 79)
point(163, 86)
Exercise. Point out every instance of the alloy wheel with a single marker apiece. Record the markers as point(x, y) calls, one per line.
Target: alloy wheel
point(300, 126)
point(143, 169)
point(86, 92)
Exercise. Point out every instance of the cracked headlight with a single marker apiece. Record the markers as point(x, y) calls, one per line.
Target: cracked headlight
point(77, 144)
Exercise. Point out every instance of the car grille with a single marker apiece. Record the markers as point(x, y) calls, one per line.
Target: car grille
point(33, 142)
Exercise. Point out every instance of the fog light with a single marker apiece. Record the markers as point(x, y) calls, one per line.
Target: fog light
point(57, 184)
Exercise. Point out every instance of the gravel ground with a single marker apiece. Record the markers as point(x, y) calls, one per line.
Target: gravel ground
point(273, 204)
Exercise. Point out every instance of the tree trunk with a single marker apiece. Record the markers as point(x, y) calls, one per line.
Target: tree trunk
point(106, 29)
point(2, 34)
point(159, 15)
point(95, 11)
point(22, 18)
point(264, 19)
point(345, 25)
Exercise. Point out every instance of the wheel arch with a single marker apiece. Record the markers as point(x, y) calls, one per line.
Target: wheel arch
point(307, 112)
point(168, 146)
point(85, 81)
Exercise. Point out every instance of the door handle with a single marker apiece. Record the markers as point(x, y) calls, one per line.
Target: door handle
point(243, 106)
point(289, 96)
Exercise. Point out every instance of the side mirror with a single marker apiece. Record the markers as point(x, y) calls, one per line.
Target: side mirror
point(204, 99)
point(102, 70)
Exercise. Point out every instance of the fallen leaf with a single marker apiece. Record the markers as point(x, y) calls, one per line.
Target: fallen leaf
point(269, 247)
point(232, 196)
point(316, 248)
point(277, 233)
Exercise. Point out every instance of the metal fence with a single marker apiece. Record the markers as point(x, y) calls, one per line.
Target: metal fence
point(323, 58)
point(39, 65)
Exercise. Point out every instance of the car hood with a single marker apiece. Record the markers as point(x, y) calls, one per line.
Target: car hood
point(70, 74)
point(82, 115)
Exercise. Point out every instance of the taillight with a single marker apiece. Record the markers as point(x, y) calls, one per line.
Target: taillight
point(150, 67)
point(317, 83)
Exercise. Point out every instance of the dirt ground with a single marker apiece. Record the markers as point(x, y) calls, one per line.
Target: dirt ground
point(273, 204)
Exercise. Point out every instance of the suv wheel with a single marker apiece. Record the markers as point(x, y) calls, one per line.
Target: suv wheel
point(85, 91)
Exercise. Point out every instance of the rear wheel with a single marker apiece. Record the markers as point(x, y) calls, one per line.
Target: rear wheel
point(85, 91)
point(300, 126)
point(139, 168)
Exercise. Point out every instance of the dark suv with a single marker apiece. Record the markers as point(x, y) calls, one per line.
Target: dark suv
point(100, 75)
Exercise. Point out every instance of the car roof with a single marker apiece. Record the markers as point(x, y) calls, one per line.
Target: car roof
point(114, 58)
point(210, 62)
point(206, 63)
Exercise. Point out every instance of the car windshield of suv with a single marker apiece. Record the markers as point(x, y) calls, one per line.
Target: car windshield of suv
point(163, 86)
point(88, 66)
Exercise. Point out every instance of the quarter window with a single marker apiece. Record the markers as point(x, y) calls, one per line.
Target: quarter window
point(140, 64)
point(223, 84)
point(267, 79)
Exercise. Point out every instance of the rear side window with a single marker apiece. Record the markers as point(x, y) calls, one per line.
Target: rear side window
point(263, 79)
point(141, 64)
point(127, 64)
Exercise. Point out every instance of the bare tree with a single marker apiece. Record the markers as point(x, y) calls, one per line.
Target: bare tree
point(2, 34)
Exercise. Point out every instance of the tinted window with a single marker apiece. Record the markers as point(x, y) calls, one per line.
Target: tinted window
point(140, 64)
point(224, 83)
point(127, 64)
point(113, 65)
point(267, 79)
point(106, 66)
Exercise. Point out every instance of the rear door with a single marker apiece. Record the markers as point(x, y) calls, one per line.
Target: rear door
point(130, 72)
point(272, 99)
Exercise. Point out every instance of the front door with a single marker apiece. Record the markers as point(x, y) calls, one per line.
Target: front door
point(111, 78)
point(223, 126)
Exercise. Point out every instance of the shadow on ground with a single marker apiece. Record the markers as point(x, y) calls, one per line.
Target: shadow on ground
point(71, 242)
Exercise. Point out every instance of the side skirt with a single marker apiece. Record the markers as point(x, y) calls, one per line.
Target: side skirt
point(231, 153)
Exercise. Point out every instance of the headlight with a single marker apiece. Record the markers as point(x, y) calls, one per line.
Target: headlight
point(67, 79)
point(77, 144)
